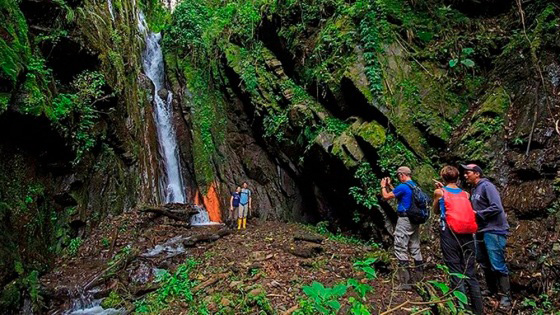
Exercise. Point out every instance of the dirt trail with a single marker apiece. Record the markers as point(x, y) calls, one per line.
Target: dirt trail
point(260, 269)
point(265, 259)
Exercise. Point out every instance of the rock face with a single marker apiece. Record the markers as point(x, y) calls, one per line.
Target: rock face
point(333, 117)
point(342, 95)
point(311, 105)
point(78, 141)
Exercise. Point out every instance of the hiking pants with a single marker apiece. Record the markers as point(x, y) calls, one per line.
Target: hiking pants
point(233, 215)
point(491, 251)
point(407, 238)
point(243, 209)
point(459, 255)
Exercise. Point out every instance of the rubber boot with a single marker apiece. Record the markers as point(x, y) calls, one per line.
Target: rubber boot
point(244, 223)
point(239, 224)
point(403, 276)
point(418, 274)
point(504, 292)
point(491, 283)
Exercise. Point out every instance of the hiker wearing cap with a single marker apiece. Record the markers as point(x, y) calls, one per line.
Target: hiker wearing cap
point(493, 229)
point(457, 228)
point(407, 234)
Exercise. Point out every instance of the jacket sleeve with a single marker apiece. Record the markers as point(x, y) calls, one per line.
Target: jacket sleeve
point(494, 203)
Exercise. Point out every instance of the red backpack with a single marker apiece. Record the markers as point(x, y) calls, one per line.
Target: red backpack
point(459, 214)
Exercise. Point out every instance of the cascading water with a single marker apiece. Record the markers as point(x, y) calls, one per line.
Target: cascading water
point(110, 7)
point(152, 59)
point(172, 182)
point(172, 186)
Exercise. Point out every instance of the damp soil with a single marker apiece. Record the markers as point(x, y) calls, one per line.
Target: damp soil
point(124, 253)
point(264, 256)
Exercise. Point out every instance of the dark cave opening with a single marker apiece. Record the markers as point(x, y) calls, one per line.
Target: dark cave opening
point(487, 8)
point(67, 58)
point(268, 34)
point(36, 136)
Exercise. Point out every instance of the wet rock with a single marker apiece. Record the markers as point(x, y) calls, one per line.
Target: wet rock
point(141, 274)
point(163, 93)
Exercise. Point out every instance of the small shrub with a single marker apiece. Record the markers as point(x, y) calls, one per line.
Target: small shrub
point(74, 246)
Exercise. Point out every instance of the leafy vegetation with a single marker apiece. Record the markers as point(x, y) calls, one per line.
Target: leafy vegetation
point(358, 293)
point(173, 286)
point(74, 246)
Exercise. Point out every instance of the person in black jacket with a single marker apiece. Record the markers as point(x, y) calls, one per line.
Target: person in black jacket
point(493, 230)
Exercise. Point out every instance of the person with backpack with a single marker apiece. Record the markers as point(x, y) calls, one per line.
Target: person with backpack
point(457, 228)
point(245, 201)
point(493, 230)
point(407, 230)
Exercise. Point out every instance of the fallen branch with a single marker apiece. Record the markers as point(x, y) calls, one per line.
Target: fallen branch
point(407, 302)
point(308, 237)
point(165, 211)
point(291, 310)
point(211, 281)
point(106, 273)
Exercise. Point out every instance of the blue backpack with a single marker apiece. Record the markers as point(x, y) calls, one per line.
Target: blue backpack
point(418, 212)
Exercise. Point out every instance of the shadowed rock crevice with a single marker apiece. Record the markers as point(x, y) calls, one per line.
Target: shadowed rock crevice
point(67, 58)
point(36, 137)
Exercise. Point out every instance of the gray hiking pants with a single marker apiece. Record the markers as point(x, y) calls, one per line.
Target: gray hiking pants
point(407, 238)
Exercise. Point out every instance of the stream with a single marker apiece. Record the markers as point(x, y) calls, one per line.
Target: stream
point(171, 182)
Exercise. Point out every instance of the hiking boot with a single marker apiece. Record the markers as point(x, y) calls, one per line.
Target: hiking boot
point(418, 274)
point(504, 292)
point(403, 276)
point(491, 283)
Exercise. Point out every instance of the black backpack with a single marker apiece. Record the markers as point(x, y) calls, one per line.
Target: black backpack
point(418, 212)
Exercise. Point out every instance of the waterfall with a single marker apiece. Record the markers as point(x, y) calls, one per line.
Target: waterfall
point(110, 6)
point(171, 182)
point(152, 59)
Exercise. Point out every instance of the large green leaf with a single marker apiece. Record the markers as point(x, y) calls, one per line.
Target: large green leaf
point(461, 297)
point(467, 51)
point(334, 304)
point(459, 275)
point(440, 285)
point(339, 290)
point(468, 62)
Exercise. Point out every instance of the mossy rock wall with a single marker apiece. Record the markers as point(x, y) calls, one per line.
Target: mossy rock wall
point(79, 140)
point(331, 89)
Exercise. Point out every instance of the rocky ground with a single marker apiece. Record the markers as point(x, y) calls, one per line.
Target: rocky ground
point(217, 270)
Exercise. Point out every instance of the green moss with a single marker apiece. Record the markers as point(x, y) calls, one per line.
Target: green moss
point(346, 148)
point(496, 104)
point(423, 175)
point(371, 132)
point(209, 121)
point(15, 50)
point(486, 128)
point(114, 300)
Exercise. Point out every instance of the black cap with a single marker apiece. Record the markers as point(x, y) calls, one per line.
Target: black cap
point(472, 167)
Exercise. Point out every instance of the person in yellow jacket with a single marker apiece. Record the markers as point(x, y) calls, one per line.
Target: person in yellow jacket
point(244, 206)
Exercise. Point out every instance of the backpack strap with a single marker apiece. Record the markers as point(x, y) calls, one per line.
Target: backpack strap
point(412, 187)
